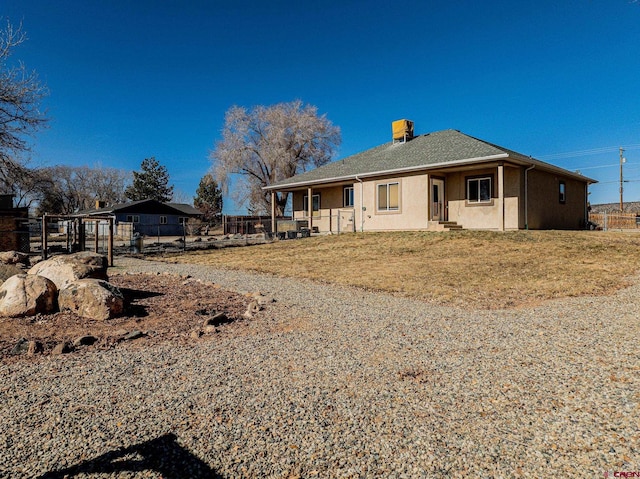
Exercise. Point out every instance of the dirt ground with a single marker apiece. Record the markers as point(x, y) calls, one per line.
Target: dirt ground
point(162, 307)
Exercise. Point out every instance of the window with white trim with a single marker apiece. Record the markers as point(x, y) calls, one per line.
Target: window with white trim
point(389, 196)
point(315, 205)
point(348, 196)
point(133, 219)
point(479, 190)
point(163, 220)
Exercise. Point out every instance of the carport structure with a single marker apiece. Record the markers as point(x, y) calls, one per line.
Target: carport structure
point(76, 232)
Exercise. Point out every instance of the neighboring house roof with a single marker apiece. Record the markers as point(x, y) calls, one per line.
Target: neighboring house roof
point(146, 207)
point(186, 209)
point(444, 148)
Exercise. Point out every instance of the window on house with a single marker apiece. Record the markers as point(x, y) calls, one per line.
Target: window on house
point(563, 192)
point(163, 220)
point(315, 206)
point(183, 220)
point(479, 190)
point(389, 196)
point(348, 196)
point(133, 219)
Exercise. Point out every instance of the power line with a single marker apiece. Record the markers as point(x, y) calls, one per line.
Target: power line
point(595, 167)
point(592, 151)
point(612, 182)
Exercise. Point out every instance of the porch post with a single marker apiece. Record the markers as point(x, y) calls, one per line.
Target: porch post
point(273, 211)
point(501, 196)
point(310, 207)
point(429, 200)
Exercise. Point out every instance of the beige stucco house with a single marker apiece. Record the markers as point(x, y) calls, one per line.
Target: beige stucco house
point(437, 181)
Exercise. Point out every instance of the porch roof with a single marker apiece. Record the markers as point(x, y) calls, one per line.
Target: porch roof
point(446, 148)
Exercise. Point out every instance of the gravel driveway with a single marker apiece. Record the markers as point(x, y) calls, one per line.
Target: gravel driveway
point(338, 382)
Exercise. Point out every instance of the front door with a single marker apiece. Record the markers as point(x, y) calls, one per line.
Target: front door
point(438, 212)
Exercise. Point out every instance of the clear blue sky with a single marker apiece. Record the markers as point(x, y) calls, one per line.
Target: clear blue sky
point(134, 79)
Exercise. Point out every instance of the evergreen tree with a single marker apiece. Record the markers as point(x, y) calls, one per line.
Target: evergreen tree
point(208, 199)
point(152, 183)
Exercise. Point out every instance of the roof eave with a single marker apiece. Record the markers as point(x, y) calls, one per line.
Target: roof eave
point(408, 169)
point(549, 166)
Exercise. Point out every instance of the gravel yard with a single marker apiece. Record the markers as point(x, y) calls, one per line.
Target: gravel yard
point(339, 382)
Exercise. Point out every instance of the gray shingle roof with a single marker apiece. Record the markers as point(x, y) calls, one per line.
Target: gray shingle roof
point(185, 208)
point(179, 208)
point(441, 147)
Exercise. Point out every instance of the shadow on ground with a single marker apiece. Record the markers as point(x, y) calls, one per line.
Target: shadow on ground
point(162, 455)
point(131, 296)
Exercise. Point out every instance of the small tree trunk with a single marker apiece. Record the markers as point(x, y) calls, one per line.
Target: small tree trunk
point(281, 203)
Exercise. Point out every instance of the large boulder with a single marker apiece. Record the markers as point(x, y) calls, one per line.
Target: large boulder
point(65, 269)
point(8, 270)
point(91, 298)
point(14, 257)
point(27, 295)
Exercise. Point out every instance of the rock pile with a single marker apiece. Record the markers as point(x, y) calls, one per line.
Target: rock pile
point(76, 282)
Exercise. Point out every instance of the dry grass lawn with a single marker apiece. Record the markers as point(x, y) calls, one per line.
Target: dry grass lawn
point(468, 268)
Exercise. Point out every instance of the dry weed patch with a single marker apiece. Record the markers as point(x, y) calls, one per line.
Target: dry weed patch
point(468, 268)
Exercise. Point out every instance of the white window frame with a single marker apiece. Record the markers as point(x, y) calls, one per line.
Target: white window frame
point(133, 219)
point(163, 220)
point(387, 208)
point(348, 197)
point(478, 180)
point(562, 192)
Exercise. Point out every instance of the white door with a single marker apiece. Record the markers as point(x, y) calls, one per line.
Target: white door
point(437, 200)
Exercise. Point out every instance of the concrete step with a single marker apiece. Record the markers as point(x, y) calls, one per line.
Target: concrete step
point(450, 225)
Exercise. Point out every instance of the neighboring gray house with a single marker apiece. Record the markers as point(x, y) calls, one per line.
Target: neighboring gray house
point(150, 217)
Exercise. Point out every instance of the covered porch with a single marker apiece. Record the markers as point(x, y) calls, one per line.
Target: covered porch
point(330, 211)
point(475, 197)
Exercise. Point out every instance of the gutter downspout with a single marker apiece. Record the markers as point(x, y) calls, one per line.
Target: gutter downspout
point(361, 204)
point(526, 196)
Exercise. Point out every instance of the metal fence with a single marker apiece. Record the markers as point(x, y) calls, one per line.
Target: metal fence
point(333, 221)
point(248, 225)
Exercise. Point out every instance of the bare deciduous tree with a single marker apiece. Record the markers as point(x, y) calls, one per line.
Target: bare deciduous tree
point(268, 144)
point(72, 189)
point(107, 184)
point(26, 184)
point(20, 96)
point(180, 196)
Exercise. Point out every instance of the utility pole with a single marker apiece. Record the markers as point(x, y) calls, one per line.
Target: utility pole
point(621, 179)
